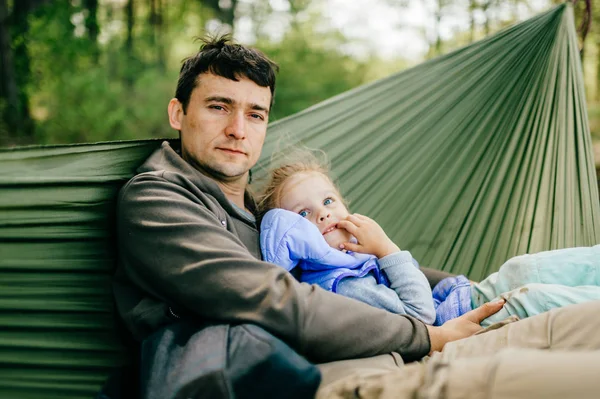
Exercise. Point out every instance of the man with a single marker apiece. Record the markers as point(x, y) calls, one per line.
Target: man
point(190, 259)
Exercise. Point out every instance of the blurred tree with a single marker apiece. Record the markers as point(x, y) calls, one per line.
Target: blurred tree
point(472, 23)
point(224, 10)
point(486, 7)
point(438, 13)
point(130, 18)
point(89, 70)
point(312, 67)
point(91, 25)
point(156, 21)
point(489, 10)
point(18, 75)
point(100, 70)
point(9, 91)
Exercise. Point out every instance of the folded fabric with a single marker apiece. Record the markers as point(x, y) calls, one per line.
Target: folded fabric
point(535, 283)
point(451, 298)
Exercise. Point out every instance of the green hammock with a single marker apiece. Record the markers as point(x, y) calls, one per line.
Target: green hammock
point(466, 160)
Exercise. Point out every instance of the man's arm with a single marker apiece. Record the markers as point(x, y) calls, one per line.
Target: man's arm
point(176, 250)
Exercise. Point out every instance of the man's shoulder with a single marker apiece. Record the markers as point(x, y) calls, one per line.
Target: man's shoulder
point(164, 182)
point(141, 181)
point(167, 187)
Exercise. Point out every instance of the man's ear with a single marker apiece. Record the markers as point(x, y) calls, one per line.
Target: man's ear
point(175, 111)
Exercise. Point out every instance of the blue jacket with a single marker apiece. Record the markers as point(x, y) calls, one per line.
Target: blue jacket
point(393, 283)
point(289, 240)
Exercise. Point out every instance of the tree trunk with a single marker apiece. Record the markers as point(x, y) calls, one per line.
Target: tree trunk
point(156, 22)
point(130, 18)
point(226, 14)
point(8, 83)
point(152, 22)
point(111, 52)
point(472, 7)
point(598, 71)
point(438, 20)
point(91, 25)
point(22, 65)
point(160, 32)
point(486, 10)
point(129, 12)
point(486, 24)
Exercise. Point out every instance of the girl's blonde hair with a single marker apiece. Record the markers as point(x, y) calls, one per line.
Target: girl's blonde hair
point(301, 161)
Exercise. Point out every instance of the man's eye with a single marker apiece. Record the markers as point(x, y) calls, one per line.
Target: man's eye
point(257, 116)
point(327, 201)
point(303, 214)
point(217, 107)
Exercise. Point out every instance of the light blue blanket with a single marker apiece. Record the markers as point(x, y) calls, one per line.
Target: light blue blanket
point(531, 284)
point(535, 283)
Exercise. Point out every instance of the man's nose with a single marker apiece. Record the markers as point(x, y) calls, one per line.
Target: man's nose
point(236, 128)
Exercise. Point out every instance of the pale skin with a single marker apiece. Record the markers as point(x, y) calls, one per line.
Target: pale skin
point(312, 195)
point(222, 135)
point(223, 130)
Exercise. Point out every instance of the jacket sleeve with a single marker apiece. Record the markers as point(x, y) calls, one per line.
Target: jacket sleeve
point(410, 284)
point(175, 249)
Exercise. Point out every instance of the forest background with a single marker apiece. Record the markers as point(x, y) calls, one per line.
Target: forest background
point(94, 70)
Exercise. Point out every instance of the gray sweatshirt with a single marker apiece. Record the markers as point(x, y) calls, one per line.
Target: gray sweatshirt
point(185, 251)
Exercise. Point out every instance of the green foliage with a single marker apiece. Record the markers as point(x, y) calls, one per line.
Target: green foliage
point(82, 87)
point(92, 106)
point(86, 91)
point(77, 100)
point(310, 72)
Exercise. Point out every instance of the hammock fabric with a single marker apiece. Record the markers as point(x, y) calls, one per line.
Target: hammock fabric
point(465, 160)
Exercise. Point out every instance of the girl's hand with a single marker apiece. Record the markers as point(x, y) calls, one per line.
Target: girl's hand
point(370, 236)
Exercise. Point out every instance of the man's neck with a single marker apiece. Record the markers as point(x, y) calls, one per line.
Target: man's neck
point(234, 191)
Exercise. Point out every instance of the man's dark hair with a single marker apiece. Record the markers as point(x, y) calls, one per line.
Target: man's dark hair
point(220, 56)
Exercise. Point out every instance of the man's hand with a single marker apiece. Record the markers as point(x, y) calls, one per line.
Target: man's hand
point(461, 327)
point(370, 236)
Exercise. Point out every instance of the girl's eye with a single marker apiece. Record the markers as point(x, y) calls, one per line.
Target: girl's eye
point(303, 214)
point(327, 201)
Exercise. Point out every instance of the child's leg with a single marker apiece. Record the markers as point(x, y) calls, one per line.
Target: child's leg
point(533, 299)
point(569, 267)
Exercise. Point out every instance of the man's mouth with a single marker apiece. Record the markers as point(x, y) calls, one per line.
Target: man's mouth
point(231, 151)
point(330, 228)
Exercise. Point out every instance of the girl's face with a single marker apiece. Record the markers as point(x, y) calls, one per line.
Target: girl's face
point(312, 196)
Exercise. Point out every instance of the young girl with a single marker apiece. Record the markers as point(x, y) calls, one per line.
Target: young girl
point(305, 223)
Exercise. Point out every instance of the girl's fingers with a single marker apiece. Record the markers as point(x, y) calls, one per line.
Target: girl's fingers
point(348, 225)
point(361, 217)
point(350, 247)
point(355, 219)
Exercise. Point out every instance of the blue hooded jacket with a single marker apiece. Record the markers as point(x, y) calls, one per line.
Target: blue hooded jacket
point(289, 240)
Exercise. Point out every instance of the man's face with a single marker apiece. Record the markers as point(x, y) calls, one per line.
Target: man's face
point(223, 130)
point(312, 196)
